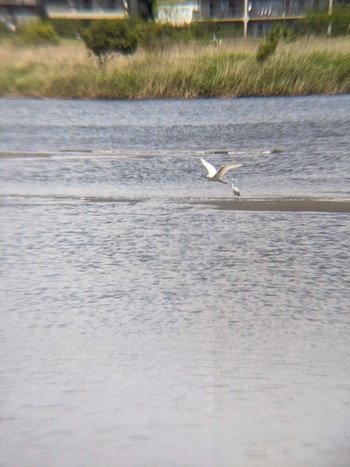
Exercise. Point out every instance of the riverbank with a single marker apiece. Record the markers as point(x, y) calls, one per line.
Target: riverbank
point(304, 67)
point(281, 204)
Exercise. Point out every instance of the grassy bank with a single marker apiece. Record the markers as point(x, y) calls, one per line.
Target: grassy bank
point(312, 66)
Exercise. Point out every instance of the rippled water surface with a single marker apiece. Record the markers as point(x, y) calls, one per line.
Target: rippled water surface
point(147, 318)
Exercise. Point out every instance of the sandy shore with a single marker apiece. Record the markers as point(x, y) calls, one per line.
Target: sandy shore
point(280, 204)
point(300, 204)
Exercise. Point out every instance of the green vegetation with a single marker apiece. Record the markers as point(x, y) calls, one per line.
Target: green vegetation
point(67, 29)
point(341, 20)
point(266, 49)
point(173, 62)
point(106, 38)
point(268, 46)
point(159, 36)
point(38, 33)
point(336, 24)
point(188, 71)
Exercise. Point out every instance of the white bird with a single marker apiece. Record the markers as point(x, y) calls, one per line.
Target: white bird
point(235, 190)
point(216, 175)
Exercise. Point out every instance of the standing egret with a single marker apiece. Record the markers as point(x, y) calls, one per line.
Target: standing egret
point(216, 175)
point(235, 190)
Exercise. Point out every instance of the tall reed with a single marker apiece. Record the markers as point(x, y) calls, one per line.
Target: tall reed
point(188, 71)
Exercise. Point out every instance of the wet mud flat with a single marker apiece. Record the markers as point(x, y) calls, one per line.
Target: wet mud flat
point(279, 204)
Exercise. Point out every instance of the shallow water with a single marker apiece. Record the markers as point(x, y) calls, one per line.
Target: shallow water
point(147, 318)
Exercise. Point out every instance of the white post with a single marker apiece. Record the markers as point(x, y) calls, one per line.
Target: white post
point(246, 19)
point(330, 12)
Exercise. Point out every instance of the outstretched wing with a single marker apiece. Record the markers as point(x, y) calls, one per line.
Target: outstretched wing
point(210, 168)
point(225, 168)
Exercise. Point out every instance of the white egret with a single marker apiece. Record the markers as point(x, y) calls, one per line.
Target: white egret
point(216, 175)
point(235, 190)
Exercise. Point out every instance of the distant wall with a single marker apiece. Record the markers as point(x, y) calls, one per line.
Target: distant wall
point(19, 3)
point(176, 13)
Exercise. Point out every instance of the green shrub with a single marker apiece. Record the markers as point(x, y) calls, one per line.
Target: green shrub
point(280, 32)
point(341, 20)
point(338, 23)
point(314, 24)
point(39, 33)
point(266, 48)
point(68, 29)
point(106, 38)
point(155, 35)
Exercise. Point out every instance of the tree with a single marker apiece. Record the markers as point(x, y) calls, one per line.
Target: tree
point(106, 38)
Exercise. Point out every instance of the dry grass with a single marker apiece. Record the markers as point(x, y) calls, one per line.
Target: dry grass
point(302, 67)
point(11, 53)
point(74, 52)
point(311, 45)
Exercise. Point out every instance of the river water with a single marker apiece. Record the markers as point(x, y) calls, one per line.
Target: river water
point(147, 318)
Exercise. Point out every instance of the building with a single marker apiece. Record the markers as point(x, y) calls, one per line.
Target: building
point(76, 9)
point(254, 17)
point(10, 9)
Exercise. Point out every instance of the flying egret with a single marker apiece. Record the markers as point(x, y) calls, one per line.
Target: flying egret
point(235, 190)
point(216, 175)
